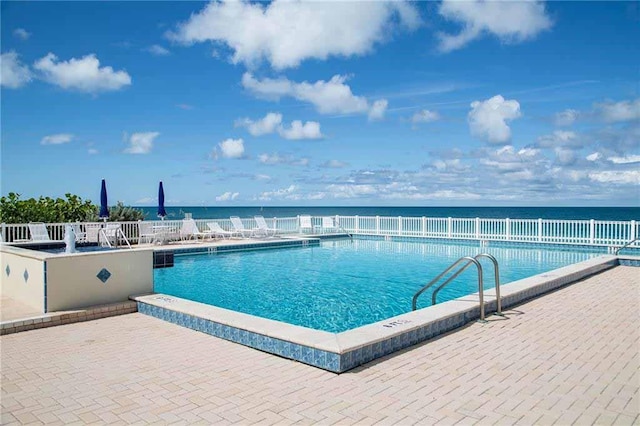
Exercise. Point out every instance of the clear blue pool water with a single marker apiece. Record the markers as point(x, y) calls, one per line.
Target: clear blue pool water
point(79, 249)
point(341, 285)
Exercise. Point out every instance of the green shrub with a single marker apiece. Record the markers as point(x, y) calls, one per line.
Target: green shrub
point(45, 209)
point(71, 209)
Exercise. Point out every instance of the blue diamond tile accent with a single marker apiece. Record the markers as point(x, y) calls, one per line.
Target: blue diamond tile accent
point(26, 275)
point(103, 275)
point(8, 270)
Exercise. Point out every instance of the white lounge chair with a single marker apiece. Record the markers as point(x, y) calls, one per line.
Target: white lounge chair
point(39, 232)
point(263, 228)
point(146, 233)
point(239, 227)
point(92, 232)
point(306, 225)
point(328, 225)
point(190, 231)
point(217, 230)
point(81, 237)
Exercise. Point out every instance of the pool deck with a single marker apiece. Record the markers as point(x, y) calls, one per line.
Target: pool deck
point(572, 356)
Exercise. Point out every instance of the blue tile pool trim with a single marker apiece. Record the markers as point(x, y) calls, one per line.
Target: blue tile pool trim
point(306, 354)
point(471, 242)
point(243, 247)
point(629, 262)
point(339, 362)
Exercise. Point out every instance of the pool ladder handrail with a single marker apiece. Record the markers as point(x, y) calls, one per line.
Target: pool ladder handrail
point(470, 260)
point(342, 228)
point(116, 233)
point(627, 244)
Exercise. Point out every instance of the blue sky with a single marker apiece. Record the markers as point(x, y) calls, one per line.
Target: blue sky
point(324, 103)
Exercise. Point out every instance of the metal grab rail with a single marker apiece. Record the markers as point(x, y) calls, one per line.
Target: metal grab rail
point(496, 270)
point(117, 232)
point(342, 228)
point(626, 245)
point(470, 260)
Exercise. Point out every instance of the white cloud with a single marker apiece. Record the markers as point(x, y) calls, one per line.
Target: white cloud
point(616, 177)
point(594, 157)
point(266, 125)
point(566, 117)
point(560, 138)
point(141, 143)
point(619, 111)
point(56, 139)
point(378, 109)
point(308, 130)
point(185, 107)
point(232, 148)
point(227, 196)
point(334, 164)
point(425, 116)
point(625, 160)
point(275, 158)
point(488, 119)
point(510, 21)
point(286, 33)
point(565, 156)
point(84, 74)
point(13, 73)
point(21, 33)
point(92, 151)
point(328, 97)
point(284, 193)
point(158, 50)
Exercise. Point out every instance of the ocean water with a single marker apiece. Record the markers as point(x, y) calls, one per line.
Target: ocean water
point(596, 213)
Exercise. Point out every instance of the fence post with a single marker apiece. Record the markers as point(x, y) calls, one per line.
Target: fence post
point(539, 230)
point(377, 225)
point(424, 226)
point(448, 227)
point(399, 225)
point(4, 232)
point(592, 231)
point(357, 226)
point(508, 230)
point(477, 228)
point(632, 232)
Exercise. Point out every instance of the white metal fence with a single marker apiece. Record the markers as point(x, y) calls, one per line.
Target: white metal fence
point(584, 232)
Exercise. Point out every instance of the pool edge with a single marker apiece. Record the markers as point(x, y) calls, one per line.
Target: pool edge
point(340, 352)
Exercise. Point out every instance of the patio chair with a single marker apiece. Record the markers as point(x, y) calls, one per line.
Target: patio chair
point(92, 232)
point(81, 237)
point(146, 232)
point(263, 228)
point(39, 232)
point(305, 224)
point(239, 227)
point(217, 230)
point(190, 231)
point(328, 225)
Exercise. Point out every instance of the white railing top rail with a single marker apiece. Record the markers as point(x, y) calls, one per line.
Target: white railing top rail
point(610, 233)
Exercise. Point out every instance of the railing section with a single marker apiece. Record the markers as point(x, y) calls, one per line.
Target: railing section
point(582, 232)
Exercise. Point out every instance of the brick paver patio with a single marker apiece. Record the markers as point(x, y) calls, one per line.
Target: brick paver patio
point(571, 357)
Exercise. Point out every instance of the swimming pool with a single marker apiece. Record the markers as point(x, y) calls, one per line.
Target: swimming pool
point(342, 284)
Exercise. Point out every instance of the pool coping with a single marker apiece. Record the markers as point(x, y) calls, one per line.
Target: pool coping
point(340, 352)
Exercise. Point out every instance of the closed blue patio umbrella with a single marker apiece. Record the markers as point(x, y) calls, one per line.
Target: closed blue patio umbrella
point(104, 208)
point(161, 211)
